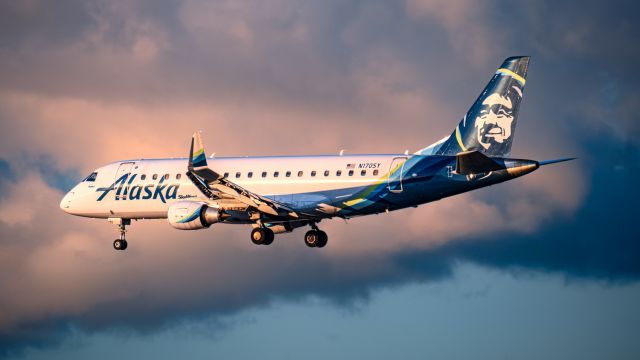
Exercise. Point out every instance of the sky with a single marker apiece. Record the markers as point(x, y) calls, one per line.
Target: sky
point(547, 265)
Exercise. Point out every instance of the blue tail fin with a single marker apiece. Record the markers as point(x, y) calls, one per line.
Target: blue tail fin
point(490, 123)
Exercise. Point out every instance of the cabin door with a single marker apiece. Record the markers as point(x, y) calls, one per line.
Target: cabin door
point(396, 172)
point(124, 168)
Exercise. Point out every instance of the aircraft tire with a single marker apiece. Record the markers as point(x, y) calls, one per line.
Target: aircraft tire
point(118, 244)
point(259, 235)
point(312, 238)
point(124, 245)
point(269, 237)
point(323, 238)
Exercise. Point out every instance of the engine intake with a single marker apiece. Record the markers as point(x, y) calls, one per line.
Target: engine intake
point(191, 215)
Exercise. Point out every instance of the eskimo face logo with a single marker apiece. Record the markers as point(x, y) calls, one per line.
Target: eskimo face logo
point(493, 123)
point(494, 119)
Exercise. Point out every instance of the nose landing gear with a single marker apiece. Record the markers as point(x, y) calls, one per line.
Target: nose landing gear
point(121, 244)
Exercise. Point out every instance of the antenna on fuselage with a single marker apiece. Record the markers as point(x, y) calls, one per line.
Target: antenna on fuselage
point(212, 155)
point(341, 152)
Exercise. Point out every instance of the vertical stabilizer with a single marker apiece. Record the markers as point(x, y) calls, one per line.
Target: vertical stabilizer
point(490, 123)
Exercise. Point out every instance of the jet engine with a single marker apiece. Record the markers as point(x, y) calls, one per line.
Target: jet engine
point(191, 215)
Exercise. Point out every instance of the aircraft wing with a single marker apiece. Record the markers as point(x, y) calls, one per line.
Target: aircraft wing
point(215, 186)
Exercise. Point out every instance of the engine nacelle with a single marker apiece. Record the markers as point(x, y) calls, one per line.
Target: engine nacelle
point(191, 215)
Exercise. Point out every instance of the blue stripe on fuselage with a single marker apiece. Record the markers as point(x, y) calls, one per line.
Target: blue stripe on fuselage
point(424, 179)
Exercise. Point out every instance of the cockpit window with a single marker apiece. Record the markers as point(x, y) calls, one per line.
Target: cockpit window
point(91, 177)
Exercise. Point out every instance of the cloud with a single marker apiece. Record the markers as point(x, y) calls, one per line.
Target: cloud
point(465, 23)
point(594, 242)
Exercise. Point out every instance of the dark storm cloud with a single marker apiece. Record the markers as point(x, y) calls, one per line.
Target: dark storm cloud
point(302, 53)
point(5, 170)
point(54, 175)
point(341, 69)
point(145, 50)
point(599, 242)
point(6, 175)
point(36, 23)
point(586, 58)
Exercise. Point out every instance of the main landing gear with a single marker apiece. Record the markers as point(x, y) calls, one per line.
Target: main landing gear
point(315, 237)
point(262, 236)
point(121, 244)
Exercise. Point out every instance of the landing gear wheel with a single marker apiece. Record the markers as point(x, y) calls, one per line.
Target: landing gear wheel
point(258, 235)
point(124, 245)
point(270, 236)
point(119, 244)
point(323, 239)
point(262, 236)
point(316, 238)
point(312, 238)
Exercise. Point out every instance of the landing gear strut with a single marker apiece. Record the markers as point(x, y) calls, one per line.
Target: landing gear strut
point(121, 244)
point(315, 237)
point(262, 236)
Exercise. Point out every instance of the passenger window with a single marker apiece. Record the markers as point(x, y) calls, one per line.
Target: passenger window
point(178, 176)
point(264, 174)
point(338, 172)
point(313, 173)
point(288, 174)
point(91, 177)
point(250, 174)
point(375, 172)
point(363, 172)
point(226, 175)
point(275, 174)
point(350, 172)
point(155, 177)
point(166, 176)
point(143, 177)
point(326, 173)
point(300, 173)
point(237, 175)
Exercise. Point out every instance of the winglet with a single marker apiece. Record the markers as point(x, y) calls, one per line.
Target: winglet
point(547, 162)
point(197, 158)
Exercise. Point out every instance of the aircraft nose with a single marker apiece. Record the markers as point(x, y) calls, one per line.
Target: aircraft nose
point(65, 203)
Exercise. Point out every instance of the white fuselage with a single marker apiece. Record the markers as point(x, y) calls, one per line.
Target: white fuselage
point(152, 185)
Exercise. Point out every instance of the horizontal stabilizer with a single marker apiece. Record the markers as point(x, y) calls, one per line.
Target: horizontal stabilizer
point(555, 161)
point(475, 162)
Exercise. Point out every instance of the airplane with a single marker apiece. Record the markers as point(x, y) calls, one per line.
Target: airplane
point(277, 194)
